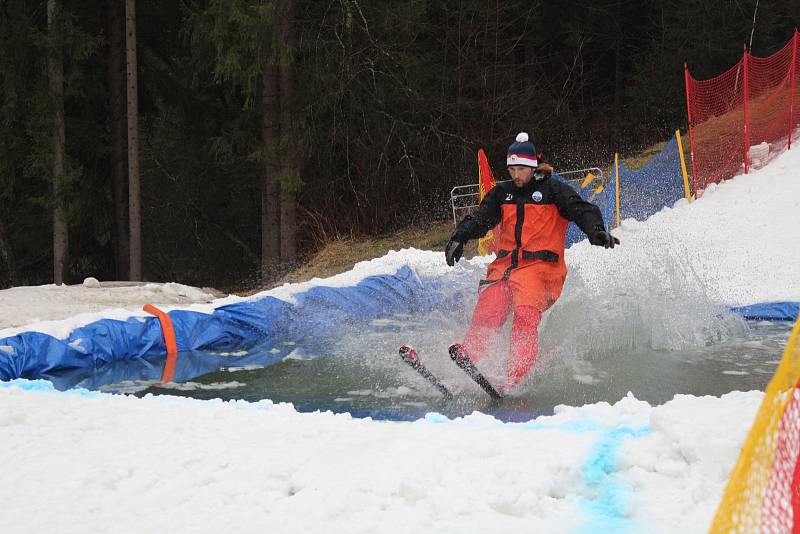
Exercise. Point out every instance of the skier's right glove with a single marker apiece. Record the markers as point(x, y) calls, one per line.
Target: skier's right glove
point(453, 251)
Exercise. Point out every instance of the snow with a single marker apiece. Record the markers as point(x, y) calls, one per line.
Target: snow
point(91, 461)
point(174, 464)
point(59, 309)
point(739, 239)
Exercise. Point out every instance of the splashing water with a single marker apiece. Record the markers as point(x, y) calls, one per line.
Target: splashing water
point(654, 300)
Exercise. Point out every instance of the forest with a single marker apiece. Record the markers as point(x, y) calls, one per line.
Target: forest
point(220, 142)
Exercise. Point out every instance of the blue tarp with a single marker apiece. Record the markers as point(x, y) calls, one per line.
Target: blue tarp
point(604, 200)
point(319, 312)
point(769, 311)
point(645, 191)
point(109, 351)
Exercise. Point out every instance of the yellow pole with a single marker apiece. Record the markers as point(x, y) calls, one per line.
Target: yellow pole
point(616, 185)
point(686, 191)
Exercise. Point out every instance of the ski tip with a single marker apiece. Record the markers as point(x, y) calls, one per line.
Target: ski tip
point(408, 353)
point(457, 353)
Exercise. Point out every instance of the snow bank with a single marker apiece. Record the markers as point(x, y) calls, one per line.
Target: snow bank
point(91, 461)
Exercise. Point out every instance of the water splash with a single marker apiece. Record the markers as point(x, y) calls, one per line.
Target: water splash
point(652, 298)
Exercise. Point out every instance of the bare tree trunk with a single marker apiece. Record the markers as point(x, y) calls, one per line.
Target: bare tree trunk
point(55, 71)
point(119, 139)
point(270, 195)
point(134, 207)
point(288, 158)
point(289, 227)
point(7, 256)
point(618, 75)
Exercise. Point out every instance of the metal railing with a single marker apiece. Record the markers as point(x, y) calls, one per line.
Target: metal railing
point(464, 198)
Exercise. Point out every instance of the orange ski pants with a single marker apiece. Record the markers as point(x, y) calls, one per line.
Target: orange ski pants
point(528, 301)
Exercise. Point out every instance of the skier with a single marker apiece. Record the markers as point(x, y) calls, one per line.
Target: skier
point(529, 215)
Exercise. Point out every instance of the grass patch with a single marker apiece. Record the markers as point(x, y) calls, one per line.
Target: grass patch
point(341, 255)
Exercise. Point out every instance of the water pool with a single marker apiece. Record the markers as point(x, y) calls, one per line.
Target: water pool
point(361, 373)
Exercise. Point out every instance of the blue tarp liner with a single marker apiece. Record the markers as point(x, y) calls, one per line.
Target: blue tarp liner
point(189, 365)
point(319, 312)
point(647, 190)
point(108, 351)
point(604, 200)
point(770, 311)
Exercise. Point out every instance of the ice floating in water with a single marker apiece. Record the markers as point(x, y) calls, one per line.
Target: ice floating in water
point(128, 386)
point(192, 386)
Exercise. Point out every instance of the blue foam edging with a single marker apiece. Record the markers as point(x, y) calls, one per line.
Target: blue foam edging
point(769, 311)
point(319, 312)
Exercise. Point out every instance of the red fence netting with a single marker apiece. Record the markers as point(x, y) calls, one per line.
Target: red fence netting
point(742, 118)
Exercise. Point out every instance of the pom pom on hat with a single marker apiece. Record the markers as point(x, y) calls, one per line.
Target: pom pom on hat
point(522, 152)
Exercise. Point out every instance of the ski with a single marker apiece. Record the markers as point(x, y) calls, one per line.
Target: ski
point(461, 359)
point(409, 355)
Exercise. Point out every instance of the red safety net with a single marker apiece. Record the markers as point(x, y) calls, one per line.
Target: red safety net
point(780, 503)
point(742, 118)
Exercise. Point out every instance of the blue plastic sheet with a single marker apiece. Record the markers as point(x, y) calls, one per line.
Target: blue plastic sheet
point(659, 183)
point(319, 312)
point(769, 311)
point(603, 200)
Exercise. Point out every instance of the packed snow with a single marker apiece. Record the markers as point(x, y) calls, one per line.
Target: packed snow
point(83, 461)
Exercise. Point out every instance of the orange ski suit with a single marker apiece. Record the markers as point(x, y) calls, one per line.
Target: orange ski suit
point(529, 227)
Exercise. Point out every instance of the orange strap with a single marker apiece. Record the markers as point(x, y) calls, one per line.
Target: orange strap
point(169, 340)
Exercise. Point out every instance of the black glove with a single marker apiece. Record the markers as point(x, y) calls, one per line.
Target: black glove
point(453, 251)
point(601, 238)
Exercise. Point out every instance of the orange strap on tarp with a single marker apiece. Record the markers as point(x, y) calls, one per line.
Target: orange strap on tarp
point(169, 340)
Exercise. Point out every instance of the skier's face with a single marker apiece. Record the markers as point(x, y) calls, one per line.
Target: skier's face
point(520, 174)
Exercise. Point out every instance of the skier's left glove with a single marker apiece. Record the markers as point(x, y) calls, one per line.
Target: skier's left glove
point(601, 238)
point(453, 251)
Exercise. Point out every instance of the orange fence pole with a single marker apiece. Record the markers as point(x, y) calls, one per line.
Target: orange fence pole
point(746, 109)
point(792, 75)
point(169, 340)
point(691, 128)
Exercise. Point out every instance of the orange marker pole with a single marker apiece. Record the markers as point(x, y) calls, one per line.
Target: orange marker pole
point(169, 340)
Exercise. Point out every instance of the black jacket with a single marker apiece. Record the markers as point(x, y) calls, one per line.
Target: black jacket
point(547, 191)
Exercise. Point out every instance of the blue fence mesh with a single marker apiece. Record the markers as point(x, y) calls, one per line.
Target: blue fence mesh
point(604, 199)
point(645, 191)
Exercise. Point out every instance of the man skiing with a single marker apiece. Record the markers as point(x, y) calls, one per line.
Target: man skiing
point(529, 215)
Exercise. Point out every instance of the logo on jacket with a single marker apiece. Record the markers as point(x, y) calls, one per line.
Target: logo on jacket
point(509, 196)
point(537, 196)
